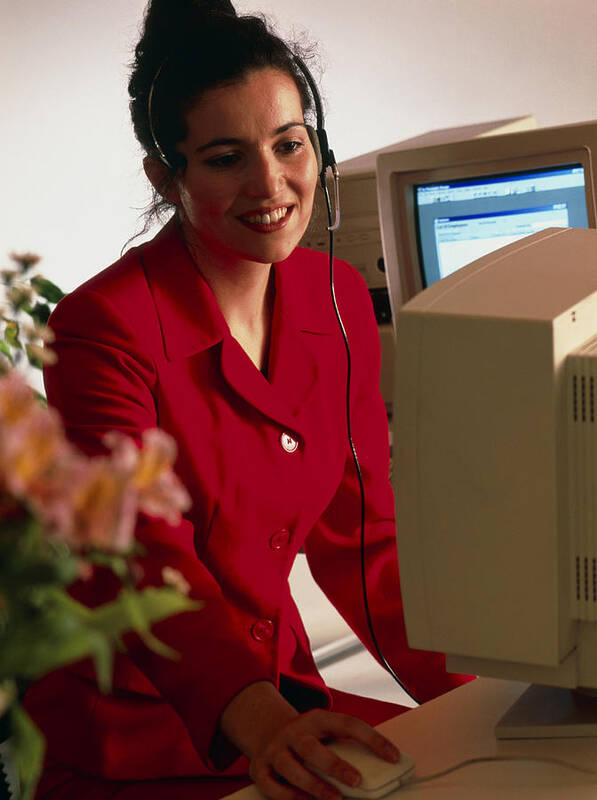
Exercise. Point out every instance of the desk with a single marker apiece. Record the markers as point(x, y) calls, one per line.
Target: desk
point(458, 726)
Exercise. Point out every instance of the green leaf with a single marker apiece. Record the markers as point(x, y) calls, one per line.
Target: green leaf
point(63, 630)
point(137, 611)
point(47, 289)
point(145, 607)
point(8, 695)
point(40, 313)
point(32, 647)
point(11, 334)
point(33, 358)
point(28, 747)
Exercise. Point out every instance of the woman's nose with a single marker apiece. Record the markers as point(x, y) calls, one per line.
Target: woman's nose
point(265, 177)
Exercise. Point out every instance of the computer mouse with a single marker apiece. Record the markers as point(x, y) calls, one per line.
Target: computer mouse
point(379, 777)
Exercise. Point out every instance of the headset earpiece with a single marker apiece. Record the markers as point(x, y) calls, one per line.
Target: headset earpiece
point(319, 138)
point(315, 142)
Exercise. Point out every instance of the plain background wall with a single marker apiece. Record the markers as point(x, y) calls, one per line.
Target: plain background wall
point(390, 69)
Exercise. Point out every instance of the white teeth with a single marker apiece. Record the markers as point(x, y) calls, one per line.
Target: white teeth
point(267, 219)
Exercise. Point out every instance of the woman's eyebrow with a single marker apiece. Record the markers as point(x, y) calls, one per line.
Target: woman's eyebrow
point(226, 141)
point(289, 125)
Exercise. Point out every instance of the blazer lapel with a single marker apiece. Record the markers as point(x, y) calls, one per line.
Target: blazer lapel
point(301, 319)
point(293, 365)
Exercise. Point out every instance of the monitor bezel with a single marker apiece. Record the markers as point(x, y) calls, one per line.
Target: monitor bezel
point(400, 171)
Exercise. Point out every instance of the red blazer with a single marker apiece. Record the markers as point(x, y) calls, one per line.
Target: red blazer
point(268, 467)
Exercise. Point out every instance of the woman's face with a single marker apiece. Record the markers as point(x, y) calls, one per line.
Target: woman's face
point(247, 190)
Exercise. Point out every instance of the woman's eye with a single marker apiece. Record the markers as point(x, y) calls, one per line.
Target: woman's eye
point(292, 146)
point(223, 161)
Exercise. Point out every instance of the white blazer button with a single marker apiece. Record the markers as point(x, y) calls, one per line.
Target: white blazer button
point(289, 443)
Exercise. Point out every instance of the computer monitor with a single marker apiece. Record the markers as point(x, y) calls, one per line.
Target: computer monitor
point(442, 207)
point(495, 470)
point(495, 423)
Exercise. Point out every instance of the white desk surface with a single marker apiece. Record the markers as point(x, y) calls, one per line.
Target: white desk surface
point(459, 726)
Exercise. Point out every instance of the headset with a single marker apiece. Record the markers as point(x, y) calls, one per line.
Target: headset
point(325, 161)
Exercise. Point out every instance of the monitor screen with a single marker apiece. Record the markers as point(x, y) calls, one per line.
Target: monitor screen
point(459, 221)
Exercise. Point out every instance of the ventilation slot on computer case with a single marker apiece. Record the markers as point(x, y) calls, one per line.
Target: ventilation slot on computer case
point(583, 398)
point(586, 580)
point(581, 459)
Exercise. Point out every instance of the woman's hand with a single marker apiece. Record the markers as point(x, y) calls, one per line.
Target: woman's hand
point(282, 744)
point(300, 744)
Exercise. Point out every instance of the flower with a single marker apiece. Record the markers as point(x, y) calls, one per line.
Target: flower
point(35, 332)
point(29, 449)
point(88, 502)
point(19, 295)
point(156, 458)
point(16, 399)
point(104, 508)
point(160, 493)
point(172, 577)
point(25, 260)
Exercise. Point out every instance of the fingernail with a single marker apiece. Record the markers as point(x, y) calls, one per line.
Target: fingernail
point(392, 752)
point(351, 777)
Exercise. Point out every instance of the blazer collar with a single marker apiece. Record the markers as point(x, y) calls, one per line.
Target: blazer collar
point(303, 294)
point(189, 315)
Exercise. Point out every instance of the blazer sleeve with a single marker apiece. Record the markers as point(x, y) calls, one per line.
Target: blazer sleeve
point(333, 547)
point(105, 380)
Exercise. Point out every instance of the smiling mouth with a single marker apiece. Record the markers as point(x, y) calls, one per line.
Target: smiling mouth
point(268, 221)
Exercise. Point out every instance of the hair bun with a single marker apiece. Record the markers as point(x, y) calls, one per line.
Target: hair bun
point(167, 22)
point(170, 14)
point(217, 7)
point(203, 7)
point(167, 27)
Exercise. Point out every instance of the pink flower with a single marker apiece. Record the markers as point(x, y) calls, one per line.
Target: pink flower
point(104, 508)
point(166, 497)
point(29, 449)
point(51, 495)
point(89, 502)
point(17, 399)
point(160, 493)
point(172, 577)
point(124, 452)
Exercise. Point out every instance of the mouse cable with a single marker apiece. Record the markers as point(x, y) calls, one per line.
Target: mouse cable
point(352, 447)
point(488, 759)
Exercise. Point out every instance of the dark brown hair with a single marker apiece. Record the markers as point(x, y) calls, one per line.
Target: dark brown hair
point(186, 48)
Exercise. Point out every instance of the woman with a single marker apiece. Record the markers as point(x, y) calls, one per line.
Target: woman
point(221, 331)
